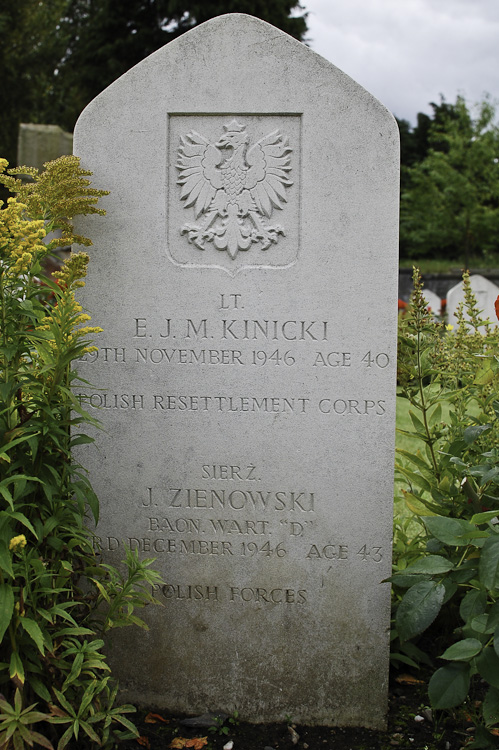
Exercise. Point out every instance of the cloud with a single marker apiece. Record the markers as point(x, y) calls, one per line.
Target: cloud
point(408, 52)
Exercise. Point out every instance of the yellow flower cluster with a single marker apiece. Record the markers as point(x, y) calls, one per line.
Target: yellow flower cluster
point(17, 543)
point(73, 270)
point(20, 239)
point(71, 278)
point(57, 194)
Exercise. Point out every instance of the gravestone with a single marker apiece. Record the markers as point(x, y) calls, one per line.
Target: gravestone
point(485, 292)
point(37, 144)
point(246, 280)
point(433, 300)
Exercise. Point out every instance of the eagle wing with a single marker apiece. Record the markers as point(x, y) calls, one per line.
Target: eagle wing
point(268, 175)
point(199, 175)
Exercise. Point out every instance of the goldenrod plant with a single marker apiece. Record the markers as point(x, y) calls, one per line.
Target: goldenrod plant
point(55, 592)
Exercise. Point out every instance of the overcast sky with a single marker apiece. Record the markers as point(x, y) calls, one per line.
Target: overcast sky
point(408, 52)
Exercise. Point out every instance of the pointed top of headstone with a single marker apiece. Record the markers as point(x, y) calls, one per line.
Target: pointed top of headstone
point(218, 54)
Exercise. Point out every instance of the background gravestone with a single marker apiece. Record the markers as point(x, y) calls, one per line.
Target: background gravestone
point(246, 279)
point(485, 292)
point(37, 144)
point(433, 300)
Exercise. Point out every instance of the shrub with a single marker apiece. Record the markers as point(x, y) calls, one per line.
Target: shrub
point(55, 596)
point(451, 485)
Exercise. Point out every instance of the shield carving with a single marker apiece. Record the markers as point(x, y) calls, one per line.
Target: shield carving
point(233, 191)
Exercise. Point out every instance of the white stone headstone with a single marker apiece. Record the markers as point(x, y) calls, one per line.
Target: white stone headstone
point(37, 144)
point(246, 279)
point(433, 300)
point(485, 292)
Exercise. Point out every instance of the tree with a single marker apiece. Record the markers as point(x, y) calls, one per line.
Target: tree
point(450, 201)
point(59, 54)
point(29, 53)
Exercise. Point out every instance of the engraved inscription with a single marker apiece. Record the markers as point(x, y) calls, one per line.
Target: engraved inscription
point(235, 342)
point(233, 499)
point(224, 517)
point(233, 548)
point(245, 595)
point(155, 355)
point(268, 596)
point(335, 407)
point(233, 187)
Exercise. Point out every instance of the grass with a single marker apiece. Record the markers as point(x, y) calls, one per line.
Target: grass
point(441, 265)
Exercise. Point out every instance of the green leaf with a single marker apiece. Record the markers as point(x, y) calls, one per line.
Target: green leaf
point(464, 573)
point(25, 522)
point(414, 458)
point(485, 374)
point(480, 624)
point(6, 607)
point(126, 722)
point(81, 439)
point(450, 589)
point(73, 631)
point(436, 415)
point(463, 650)
point(75, 670)
point(6, 495)
point(418, 424)
point(33, 630)
point(5, 560)
point(15, 442)
point(16, 667)
point(491, 707)
point(415, 478)
point(65, 703)
point(473, 433)
point(448, 687)
point(405, 581)
point(65, 738)
point(489, 563)
point(431, 564)
point(488, 666)
point(90, 732)
point(396, 657)
point(494, 615)
point(473, 604)
point(419, 607)
point(496, 640)
point(41, 740)
point(420, 506)
point(451, 531)
point(88, 696)
point(484, 517)
point(39, 688)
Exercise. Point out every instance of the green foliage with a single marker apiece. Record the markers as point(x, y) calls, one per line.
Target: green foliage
point(56, 600)
point(452, 487)
point(30, 51)
point(221, 727)
point(57, 55)
point(104, 39)
point(450, 198)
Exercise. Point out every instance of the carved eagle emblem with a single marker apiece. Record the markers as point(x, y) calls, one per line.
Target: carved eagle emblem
point(233, 187)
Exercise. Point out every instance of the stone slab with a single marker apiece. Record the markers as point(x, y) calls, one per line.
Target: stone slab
point(433, 300)
point(246, 279)
point(38, 144)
